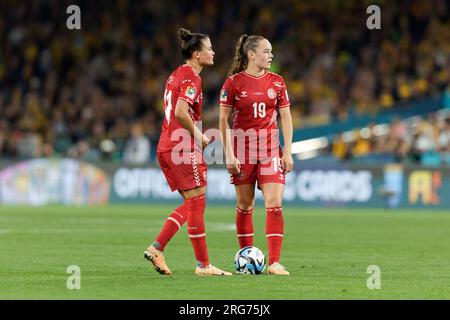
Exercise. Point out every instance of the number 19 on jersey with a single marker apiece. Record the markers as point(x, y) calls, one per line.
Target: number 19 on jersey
point(259, 110)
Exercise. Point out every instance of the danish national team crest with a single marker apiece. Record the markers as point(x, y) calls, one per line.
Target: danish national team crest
point(223, 95)
point(272, 93)
point(190, 92)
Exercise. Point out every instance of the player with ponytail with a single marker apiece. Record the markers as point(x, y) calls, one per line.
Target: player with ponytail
point(254, 97)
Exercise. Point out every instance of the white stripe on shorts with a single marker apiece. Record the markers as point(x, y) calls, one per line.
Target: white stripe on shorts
point(195, 169)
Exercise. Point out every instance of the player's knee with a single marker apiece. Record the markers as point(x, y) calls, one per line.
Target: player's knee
point(245, 204)
point(273, 202)
point(245, 207)
point(193, 193)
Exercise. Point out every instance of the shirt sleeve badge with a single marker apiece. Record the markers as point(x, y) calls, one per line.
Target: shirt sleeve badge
point(223, 95)
point(190, 92)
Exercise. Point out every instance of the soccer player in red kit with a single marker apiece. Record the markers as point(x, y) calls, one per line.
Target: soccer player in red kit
point(184, 167)
point(253, 97)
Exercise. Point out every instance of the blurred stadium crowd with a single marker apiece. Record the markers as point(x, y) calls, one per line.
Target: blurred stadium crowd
point(419, 140)
point(96, 93)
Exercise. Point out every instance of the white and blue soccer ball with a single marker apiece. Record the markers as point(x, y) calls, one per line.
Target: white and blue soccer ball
point(250, 260)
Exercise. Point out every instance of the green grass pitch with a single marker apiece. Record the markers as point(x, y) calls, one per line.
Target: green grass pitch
point(327, 252)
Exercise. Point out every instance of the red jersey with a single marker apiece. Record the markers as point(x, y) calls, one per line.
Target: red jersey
point(255, 102)
point(186, 85)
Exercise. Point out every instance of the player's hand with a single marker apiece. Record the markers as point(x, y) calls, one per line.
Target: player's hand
point(287, 163)
point(205, 141)
point(234, 166)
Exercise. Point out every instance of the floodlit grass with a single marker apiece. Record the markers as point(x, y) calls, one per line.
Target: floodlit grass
point(327, 252)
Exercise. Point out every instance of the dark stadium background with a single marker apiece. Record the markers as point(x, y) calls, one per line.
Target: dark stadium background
point(63, 92)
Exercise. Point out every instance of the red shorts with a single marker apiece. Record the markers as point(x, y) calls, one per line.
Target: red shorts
point(264, 171)
point(183, 176)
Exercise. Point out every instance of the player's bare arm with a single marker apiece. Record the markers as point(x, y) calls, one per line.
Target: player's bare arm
point(287, 163)
point(233, 164)
point(182, 115)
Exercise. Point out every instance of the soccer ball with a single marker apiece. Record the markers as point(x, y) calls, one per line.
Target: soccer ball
point(249, 260)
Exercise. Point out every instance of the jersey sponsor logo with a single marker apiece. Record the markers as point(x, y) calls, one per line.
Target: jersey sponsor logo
point(278, 84)
point(190, 92)
point(272, 93)
point(243, 94)
point(223, 95)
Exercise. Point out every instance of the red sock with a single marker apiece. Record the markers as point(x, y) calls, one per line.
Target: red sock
point(196, 228)
point(274, 233)
point(172, 225)
point(244, 227)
